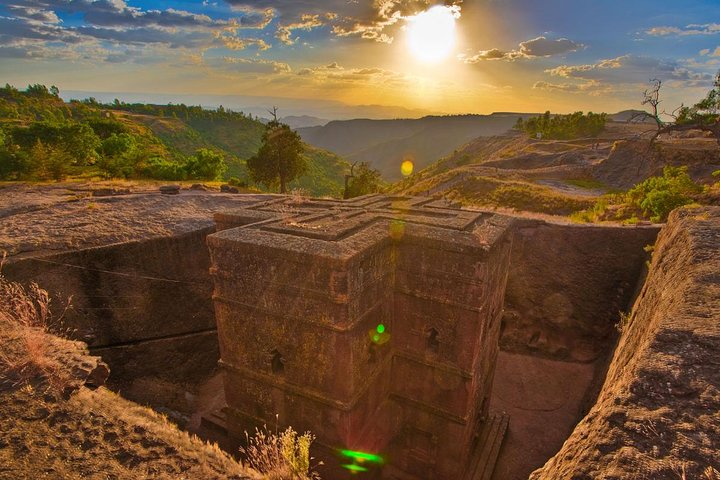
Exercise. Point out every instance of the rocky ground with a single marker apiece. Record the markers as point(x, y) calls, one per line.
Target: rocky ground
point(560, 176)
point(544, 399)
point(44, 218)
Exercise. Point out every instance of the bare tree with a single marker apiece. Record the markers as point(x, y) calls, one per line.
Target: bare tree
point(683, 118)
point(651, 97)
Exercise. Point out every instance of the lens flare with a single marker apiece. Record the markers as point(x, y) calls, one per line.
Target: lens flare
point(362, 456)
point(355, 468)
point(406, 168)
point(377, 336)
point(397, 229)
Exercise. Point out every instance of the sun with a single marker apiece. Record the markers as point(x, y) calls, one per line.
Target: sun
point(431, 34)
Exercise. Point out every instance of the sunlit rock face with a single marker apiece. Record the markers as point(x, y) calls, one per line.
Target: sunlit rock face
point(373, 323)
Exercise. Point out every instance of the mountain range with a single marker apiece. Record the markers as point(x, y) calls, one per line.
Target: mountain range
point(385, 144)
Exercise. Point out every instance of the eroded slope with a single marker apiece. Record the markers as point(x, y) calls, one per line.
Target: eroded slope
point(76, 430)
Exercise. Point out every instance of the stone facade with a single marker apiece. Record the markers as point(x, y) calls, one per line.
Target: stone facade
point(374, 323)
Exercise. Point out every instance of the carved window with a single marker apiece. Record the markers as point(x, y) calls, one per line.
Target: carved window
point(277, 362)
point(432, 341)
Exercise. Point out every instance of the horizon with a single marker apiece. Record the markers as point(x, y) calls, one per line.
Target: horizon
point(397, 58)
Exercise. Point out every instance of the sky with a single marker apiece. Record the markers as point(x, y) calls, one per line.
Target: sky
point(326, 58)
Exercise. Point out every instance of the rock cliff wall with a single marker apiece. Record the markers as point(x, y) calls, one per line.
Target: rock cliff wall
point(657, 414)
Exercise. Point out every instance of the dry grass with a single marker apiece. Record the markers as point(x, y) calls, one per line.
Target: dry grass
point(25, 313)
point(711, 474)
point(283, 456)
point(520, 196)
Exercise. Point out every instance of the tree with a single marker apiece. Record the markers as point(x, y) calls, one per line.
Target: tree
point(205, 165)
point(47, 162)
point(704, 115)
point(564, 127)
point(651, 97)
point(119, 155)
point(279, 160)
point(363, 181)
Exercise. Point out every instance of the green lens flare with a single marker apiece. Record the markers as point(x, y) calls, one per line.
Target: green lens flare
point(362, 456)
point(376, 338)
point(355, 468)
point(380, 328)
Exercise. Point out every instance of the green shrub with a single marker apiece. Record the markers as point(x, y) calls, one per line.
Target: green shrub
point(658, 196)
point(206, 164)
point(365, 180)
point(652, 199)
point(160, 168)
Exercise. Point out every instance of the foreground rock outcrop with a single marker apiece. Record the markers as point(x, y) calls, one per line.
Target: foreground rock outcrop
point(61, 423)
point(657, 414)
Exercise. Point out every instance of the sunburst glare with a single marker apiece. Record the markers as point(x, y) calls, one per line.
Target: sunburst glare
point(431, 34)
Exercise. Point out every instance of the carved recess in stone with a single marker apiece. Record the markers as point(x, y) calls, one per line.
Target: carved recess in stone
point(373, 323)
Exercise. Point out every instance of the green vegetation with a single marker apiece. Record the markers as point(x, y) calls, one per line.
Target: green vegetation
point(364, 180)
point(279, 160)
point(44, 138)
point(563, 127)
point(324, 175)
point(706, 112)
point(658, 196)
point(652, 199)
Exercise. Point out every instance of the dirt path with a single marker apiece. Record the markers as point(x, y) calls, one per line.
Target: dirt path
point(567, 189)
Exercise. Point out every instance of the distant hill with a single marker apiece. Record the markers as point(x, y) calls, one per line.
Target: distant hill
point(386, 143)
point(303, 121)
point(627, 115)
point(239, 139)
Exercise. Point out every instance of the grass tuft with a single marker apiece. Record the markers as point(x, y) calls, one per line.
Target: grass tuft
point(27, 357)
point(283, 456)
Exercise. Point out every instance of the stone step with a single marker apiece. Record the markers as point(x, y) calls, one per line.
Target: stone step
point(487, 448)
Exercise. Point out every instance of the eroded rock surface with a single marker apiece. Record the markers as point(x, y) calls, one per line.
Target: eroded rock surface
point(657, 414)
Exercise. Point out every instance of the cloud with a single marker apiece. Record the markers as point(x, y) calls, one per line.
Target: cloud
point(708, 52)
point(307, 23)
point(592, 88)
point(255, 18)
point(367, 19)
point(116, 13)
point(234, 42)
point(537, 47)
point(14, 31)
point(627, 72)
point(632, 68)
point(33, 13)
point(37, 25)
point(336, 73)
point(544, 47)
point(693, 29)
point(238, 65)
